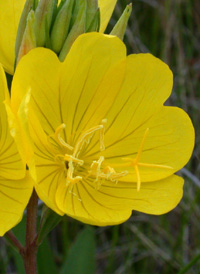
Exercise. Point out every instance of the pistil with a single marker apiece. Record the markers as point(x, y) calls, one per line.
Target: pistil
point(130, 162)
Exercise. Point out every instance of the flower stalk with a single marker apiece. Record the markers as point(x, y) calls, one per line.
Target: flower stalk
point(29, 253)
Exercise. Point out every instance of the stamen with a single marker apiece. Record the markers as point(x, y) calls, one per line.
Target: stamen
point(69, 158)
point(59, 139)
point(101, 135)
point(108, 173)
point(70, 178)
point(84, 138)
point(96, 166)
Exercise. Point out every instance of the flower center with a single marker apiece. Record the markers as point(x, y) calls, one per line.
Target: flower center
point(72, 160)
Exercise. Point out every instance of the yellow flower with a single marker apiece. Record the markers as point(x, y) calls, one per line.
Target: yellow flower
point(15, 190)
point(10, 12)
point(104, 144)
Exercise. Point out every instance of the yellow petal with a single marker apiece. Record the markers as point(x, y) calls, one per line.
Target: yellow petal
point(106, 10)
point(167, 148)
point(138, 107)
point(88, 83)
point(14, 197)
point(11, 165)
point(60, 91)
point(82, 204)
point(47, 173)
point(112, 203)
point(156, 197)
point(9, 19)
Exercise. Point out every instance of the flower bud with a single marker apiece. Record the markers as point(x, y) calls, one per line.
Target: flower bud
point(61, 26)
point(43, 18)
point(92, 8)
point(78, 27)
point(28, 40)
point(120, 27)
point(29, 5)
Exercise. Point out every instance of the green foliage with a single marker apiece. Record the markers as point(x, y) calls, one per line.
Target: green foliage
point(45, 259)
point(81, 256)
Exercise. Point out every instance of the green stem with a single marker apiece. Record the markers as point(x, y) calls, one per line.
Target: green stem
point(191, 263)
point(30, 252)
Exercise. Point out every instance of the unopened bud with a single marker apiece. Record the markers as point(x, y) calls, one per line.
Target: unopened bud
point(92, 8)
point(120, 27)
point(78, 27)
point(95, 23)
point(43, 18)
point(29, 5)
point(61, 26)
point(28, 40)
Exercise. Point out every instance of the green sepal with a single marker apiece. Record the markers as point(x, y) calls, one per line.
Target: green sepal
point(95, 23)
point(61, 26)
point(49, 220)
point(92, 7)
point(120, 27)
point(78, 27)
point(43, 17)
point(29, 5)
point(29, 40)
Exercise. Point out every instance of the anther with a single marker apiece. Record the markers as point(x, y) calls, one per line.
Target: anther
point(84, 138)
point(70, 178)
point(59, 139)
point(101, 135)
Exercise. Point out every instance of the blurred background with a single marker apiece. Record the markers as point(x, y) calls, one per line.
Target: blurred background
point(170, 30)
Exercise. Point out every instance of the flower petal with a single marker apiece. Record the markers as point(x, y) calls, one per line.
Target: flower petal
point(56, 102)
point(106, 10)
point(81, 204)
point(14, 197)
point(47, 173)
point(11, 165)
point(9, 19)
point(88, 83)
point(112, 203)
point(169, 143)
point(138, 108)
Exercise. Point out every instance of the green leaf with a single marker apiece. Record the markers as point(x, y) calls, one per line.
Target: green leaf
point(45, 259)
point(49, 220)
point(81, 256)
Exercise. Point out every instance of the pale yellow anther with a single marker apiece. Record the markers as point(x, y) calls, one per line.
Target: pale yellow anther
point(70, 178)
point(101, 135)
point(108, 173)
point(59, 139)
point(70, 158)
point(96, 166)
point(84, 138)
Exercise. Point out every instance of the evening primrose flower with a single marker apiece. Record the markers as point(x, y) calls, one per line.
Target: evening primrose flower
point(15, 190)
point(103, 142)
point(10, 13)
